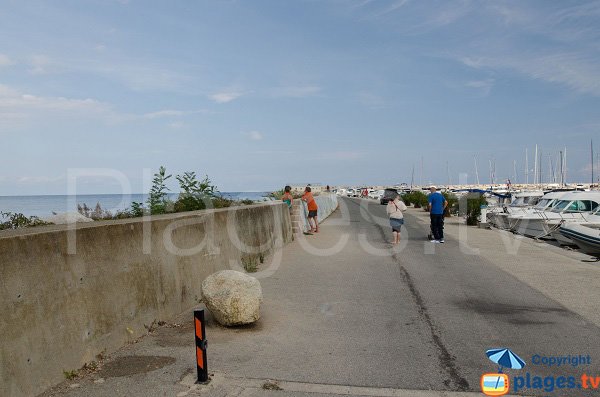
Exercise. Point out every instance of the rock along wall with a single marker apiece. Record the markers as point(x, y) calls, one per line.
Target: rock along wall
point(327, 203)
point(59, 310)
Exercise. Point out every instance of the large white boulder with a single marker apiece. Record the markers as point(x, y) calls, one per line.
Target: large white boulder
point(232, 297)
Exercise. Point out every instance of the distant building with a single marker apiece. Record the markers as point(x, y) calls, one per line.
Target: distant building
point(315, 187)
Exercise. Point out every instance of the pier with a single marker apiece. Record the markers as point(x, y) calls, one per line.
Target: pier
point(345, 313)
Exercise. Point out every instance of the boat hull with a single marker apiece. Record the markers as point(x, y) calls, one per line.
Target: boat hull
point(587, 238)
point(531, 227)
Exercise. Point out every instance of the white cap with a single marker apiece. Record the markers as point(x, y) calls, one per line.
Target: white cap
point(433, 187)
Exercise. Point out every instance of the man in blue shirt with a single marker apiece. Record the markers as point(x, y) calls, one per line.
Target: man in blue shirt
point(437, 206)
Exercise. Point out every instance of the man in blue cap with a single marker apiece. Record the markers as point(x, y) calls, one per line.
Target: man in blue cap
point(437, 206)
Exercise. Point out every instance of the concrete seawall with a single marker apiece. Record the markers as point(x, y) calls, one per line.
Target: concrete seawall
point(327, 203)
point(63, 304)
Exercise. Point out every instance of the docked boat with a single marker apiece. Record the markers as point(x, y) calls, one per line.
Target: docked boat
point(498, 217)
point(585, 235)
point(570, 207)
point(518, 219)
point(564, 238)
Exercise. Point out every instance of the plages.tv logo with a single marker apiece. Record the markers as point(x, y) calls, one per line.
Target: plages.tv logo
point(498, 384)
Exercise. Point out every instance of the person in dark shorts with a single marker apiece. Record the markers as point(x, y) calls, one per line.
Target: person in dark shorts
point(394, 210)
point(312, 209)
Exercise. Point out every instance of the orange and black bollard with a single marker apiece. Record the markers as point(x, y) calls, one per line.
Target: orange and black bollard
point(200, 346)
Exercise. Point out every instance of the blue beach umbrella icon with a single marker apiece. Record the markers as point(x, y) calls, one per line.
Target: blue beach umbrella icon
point(505, 359)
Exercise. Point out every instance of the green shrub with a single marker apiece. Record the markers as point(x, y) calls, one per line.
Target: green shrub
point(158, 200)
point(452, 200)
point(277, 194)
point(415, 197)
point(194, 193)
point(10, 220)
point(470, 206)
point(137, 209)
point(222, 202)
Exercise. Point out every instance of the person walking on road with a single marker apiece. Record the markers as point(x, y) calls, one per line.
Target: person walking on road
point(394, 210)
point(437, 206)
point(312, 209)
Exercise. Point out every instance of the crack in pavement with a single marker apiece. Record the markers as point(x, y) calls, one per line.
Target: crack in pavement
point(446, 360)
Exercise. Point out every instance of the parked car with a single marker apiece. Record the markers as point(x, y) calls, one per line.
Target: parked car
point(350, 193)
point(373, 194)
point(388, 195)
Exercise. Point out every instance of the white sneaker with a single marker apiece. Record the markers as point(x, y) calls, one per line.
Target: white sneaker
point(442, 241)
point(435, 241)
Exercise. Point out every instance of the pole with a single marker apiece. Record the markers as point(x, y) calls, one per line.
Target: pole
point(201, 365)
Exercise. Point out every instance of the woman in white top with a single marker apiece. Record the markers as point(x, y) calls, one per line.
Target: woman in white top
point(394, 210)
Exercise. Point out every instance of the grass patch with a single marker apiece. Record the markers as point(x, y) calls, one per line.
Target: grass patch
point(70, 375)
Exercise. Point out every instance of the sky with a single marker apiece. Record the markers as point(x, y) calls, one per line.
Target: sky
point(97, 95)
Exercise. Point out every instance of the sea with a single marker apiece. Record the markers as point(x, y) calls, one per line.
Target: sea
point(43, 206)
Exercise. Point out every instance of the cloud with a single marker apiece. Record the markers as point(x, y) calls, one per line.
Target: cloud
point(164, 113)
point(573, 70)
point(225, 96)
point(39, 64)
point(485, 86)
point(26, 101)
point(254, 135)
point(177, 125)
point(379, 8)
point(5, 60)
point(18, 108)
point(295, 91)
point(371, 100)
point(344, 155)
point(39, 179)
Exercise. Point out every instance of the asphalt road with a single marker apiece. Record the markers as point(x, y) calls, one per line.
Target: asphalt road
point(344, 307)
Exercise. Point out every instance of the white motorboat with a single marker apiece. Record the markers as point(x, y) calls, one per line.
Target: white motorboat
point(586, 235)
point(571, 206)
point(498, 216)
point(588, 221)
point(516, 218)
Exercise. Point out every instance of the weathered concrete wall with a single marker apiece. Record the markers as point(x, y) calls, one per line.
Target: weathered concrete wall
point(59, 310)
point(327, 203)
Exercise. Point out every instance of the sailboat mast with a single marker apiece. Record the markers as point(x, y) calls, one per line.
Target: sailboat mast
point(592, 154)
point(535, 173)
point(421, 179)
point(526, 168)
point(565, 167)
point(562, 181)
